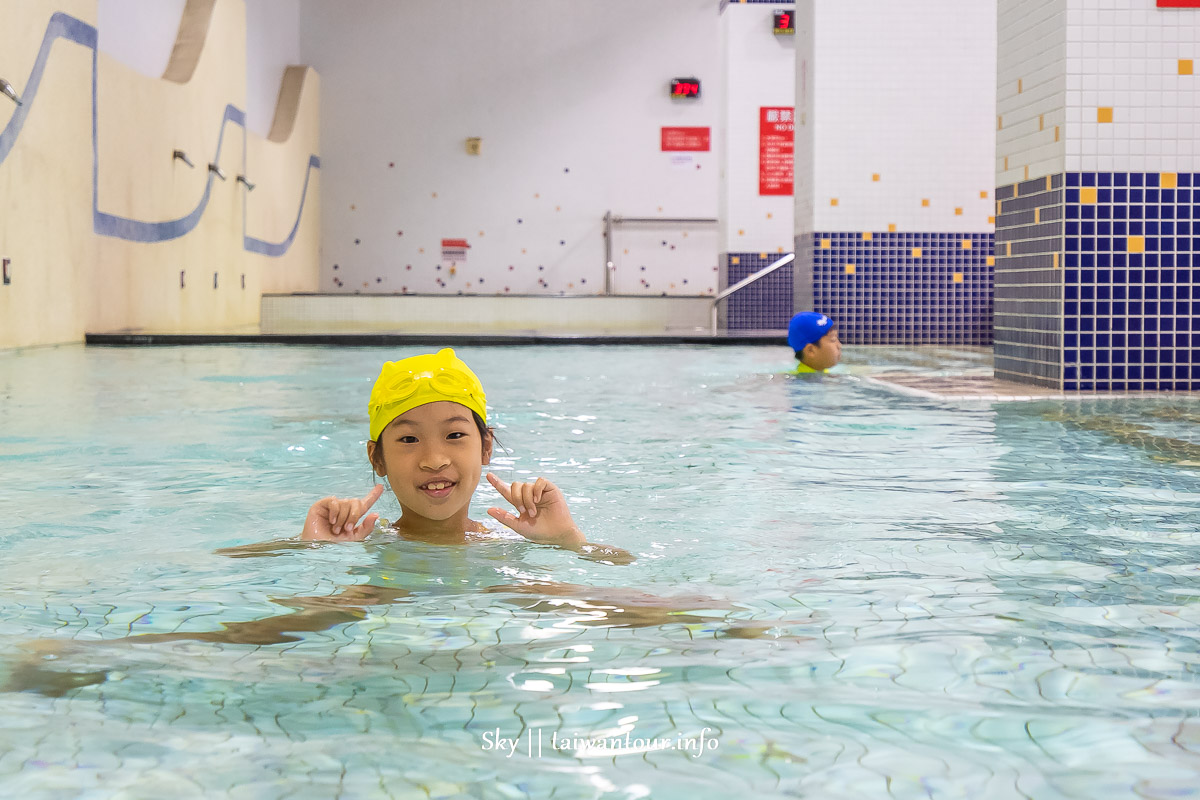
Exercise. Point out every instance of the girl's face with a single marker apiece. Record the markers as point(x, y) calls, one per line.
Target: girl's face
point(433, 455)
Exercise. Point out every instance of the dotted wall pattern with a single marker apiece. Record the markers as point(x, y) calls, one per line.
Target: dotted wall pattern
point(541, 249)
point(421, 265)
point(903, 288)
point(765, 304)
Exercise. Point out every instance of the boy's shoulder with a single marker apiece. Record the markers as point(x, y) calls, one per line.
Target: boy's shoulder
point(804, 369)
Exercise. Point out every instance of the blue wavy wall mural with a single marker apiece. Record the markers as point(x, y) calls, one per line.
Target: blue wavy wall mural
point(77, 31)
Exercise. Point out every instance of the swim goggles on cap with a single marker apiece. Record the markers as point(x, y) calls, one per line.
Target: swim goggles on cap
point(417, 381)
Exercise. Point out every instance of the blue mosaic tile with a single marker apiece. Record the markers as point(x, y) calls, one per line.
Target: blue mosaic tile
point(904, 288)
point(765, 304)
point(1130, 307)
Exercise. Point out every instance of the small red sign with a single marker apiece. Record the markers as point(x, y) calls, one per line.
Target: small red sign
point(776, 146)
point(455, 244)
point(685, 139)
point(1179, 3)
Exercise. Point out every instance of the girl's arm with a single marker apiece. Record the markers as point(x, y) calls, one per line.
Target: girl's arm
point(543, 517)
point(331, 519)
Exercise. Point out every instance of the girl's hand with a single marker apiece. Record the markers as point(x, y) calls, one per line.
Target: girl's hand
point(332, 519)
point(543, 514)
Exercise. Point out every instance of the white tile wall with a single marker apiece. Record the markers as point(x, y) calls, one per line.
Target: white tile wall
point(1031, 89)
point(1076, 57)
point(905, 91)
point(1125, 55)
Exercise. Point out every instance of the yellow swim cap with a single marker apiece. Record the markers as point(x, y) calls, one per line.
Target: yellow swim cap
point(404, 385)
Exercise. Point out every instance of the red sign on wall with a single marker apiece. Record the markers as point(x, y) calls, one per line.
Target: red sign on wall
point(685, 139)
point(776, 145)
point(1179, 3)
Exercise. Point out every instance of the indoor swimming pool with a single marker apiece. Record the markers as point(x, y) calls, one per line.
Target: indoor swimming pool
point(839, 591)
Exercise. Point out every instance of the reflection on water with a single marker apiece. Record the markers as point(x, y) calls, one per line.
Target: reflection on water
point(858, 594)
point(1180, 452)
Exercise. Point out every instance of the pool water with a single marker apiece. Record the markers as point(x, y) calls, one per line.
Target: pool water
point(839, 592)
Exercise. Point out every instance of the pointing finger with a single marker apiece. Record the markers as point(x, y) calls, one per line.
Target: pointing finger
point(500, 487)
point(373, 495)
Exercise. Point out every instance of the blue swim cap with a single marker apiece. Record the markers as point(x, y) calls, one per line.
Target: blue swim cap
point(807, 328)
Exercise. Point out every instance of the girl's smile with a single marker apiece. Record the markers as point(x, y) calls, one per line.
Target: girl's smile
point(438, 488)
point(433, 456)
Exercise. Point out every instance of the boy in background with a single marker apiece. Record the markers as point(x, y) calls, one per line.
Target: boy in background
point(814, 338)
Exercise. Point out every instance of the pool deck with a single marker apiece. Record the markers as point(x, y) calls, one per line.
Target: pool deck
point(971, 386)
point(924, 374)
point(983, 386)
point(531, 337)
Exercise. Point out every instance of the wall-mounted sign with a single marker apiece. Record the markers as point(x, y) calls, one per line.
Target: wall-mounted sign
point(776, 145)
point(685, 140)
point(685, 87)
point(785, 22)
point(454, 254)
point(1179, 3)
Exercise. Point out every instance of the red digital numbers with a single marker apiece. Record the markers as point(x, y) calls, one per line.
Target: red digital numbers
point(685, 87)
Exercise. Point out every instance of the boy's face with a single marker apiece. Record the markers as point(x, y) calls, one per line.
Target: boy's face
point(434, 457)
point(825, 352)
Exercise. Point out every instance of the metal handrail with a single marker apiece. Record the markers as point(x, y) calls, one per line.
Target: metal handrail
point(611, 219)
point(744, 282)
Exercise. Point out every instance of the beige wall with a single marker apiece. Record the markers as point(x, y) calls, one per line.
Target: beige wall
point(70, 273)
point(584, 315)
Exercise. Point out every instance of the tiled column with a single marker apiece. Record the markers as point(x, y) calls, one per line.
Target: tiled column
point(1098, 226)
point(894, 134)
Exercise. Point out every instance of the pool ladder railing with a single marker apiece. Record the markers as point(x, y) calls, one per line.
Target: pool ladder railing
point(744, 282)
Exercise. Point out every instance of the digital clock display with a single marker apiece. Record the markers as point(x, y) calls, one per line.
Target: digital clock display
point(685, 87)
point(785, 22)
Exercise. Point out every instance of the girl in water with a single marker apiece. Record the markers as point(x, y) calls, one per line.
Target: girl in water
point(430, 441)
